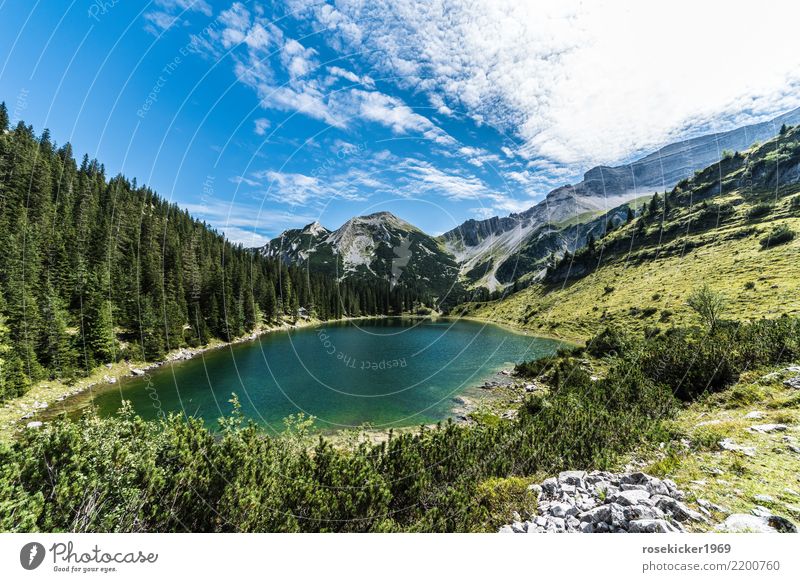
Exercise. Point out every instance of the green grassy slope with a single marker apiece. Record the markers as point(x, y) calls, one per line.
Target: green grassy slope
point(710, 233)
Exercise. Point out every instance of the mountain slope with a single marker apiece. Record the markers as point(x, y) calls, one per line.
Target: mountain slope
point(378, 246)
point(492, 251)
point(714, 229)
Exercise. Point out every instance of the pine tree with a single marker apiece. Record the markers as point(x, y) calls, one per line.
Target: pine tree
point(3, 117)
point(655, 205)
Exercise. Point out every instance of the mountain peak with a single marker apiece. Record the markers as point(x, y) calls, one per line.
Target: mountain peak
point(383, 215)
point(314, 228)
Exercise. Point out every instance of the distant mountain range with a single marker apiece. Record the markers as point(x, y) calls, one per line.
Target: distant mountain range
point(379, 245)
point(497, 251)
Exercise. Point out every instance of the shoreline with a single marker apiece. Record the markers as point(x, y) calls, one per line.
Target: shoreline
point(36, 405)
point(18, 413)
point(569, 340)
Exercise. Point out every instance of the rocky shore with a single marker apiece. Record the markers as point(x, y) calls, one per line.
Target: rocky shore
point(504, 391)
point(602, 502)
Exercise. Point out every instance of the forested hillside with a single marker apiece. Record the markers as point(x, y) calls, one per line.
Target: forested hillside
point(96, 269)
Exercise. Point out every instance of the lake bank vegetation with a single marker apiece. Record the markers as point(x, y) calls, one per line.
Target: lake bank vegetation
point(125, 474)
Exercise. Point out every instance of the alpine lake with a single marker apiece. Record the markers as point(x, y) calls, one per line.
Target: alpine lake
point(376, 373)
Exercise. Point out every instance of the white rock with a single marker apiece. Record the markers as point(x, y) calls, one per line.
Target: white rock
point(572, 477)
point(755, 415)
point(704, 503)
point(631, 497)
point(765, 428)
point(137, 372)
point(761, 498)
point(560, 509)
point(793, 383)
point(651, 526)
point(677, 509)
point(34, 424)
point(518, 527)
point(729, 445)
point(760, 511)
point(742, 522)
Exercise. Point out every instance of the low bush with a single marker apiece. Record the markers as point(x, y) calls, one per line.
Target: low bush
point(759, 210)
point(779, 235)
point(175, 475)
point(612, 341)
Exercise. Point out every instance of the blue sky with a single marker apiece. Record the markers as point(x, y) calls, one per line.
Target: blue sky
point(261, 116)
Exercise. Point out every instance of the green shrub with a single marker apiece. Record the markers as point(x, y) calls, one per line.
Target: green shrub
point(174, 475)
point(759, 210)
point(649, 311)
point(707, 437)
point(499, 498)
point(779, 235)
point(611, 341)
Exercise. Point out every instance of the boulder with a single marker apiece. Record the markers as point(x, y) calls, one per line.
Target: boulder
point(550, 486)
point(519, 527)
point(632, 497)
point(572, 478)
point(766, 428)
point(658, 487)
point(742, 522)
point(677, 510)
point(642, 512)
point(761, 511)
point(781, 524)
point(34, 424)
point(729, 445)
point(761, 498)
point(651, 526)
point(793, 383)
point(704, 503)
point(559, 509)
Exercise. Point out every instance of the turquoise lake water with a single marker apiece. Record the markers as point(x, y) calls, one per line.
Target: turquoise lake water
point(387, 372)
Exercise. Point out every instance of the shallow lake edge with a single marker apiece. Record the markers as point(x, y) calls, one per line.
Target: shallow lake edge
point(73, 399)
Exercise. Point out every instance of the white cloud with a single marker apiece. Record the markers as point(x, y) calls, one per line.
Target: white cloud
point(482, 213)
point(575, 82)
point(307, 88)
point(168, 13)
point(243, 223)
point(261, 125)
point(364, 80)
point(292, 188)
point(159, 21)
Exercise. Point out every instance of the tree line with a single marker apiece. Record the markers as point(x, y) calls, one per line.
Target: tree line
point(97, 269)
